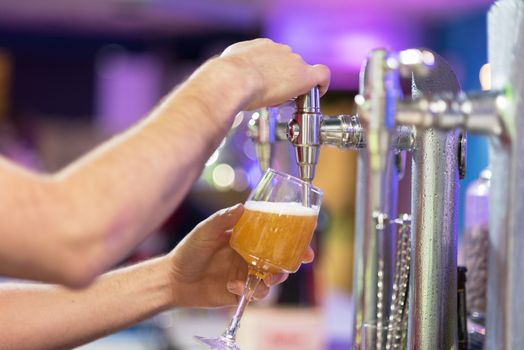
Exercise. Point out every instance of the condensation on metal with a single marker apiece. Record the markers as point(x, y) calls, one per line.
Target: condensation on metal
point(432, 295)
point(433, 272)
point(505, 316)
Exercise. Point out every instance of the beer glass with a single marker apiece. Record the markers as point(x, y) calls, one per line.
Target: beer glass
point(272, 236)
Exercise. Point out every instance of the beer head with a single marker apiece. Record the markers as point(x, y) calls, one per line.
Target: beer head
point(282, 208)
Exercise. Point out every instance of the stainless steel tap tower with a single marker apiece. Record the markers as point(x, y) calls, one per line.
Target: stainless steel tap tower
point(392, 310)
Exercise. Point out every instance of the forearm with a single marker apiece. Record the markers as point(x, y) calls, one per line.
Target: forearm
point(91, 214)
point(132, 183)
point(48, 317)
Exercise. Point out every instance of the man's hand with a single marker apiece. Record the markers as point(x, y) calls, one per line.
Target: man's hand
point(206, 271)
point(274, 72)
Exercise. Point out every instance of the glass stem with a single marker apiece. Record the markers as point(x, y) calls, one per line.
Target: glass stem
point(253, 279)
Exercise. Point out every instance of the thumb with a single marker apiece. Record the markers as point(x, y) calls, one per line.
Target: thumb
point(323, 75)
point(216, 224)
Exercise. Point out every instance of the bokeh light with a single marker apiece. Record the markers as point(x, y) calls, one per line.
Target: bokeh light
point(223, 176)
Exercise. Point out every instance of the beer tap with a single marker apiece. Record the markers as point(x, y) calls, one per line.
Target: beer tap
point(306, 131)
point(439, 112)
point(375, 132)
point(431, 124)
point(435, 173)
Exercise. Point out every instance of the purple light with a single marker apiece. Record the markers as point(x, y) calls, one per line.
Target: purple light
point(350, 49)
point(249, 149)
point(253, 175)
point(128, 86)
point(339, 38)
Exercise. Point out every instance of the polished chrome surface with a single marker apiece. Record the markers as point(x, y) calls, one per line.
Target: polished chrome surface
point(264, 129)
point(505, 308)
point(376, 200)
point(476, 112)
point(309, 102)
point(343, 131)
point(304, 133)
point(347, 132)
point(261, 130)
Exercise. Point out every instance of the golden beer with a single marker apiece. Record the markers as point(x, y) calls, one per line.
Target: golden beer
point(273, 236)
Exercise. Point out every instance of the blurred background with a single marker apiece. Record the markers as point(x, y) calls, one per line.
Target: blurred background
point(73, 73)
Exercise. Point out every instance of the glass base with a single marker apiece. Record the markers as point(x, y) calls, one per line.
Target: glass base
point(259, 264)
point(221, 343)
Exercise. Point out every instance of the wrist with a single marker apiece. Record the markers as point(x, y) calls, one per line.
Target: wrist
point(169, 290)
point(236, 77)
point(215, 93)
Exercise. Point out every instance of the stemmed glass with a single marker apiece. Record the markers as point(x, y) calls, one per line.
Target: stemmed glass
point(272, 236)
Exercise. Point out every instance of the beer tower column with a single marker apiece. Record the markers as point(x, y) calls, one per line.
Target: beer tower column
point(376, 201)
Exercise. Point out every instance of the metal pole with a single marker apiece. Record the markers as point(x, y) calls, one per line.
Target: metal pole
point(376, 204)
point(433, 282)
point(433, 273)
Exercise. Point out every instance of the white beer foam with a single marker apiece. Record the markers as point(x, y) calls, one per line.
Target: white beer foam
point(281, 208)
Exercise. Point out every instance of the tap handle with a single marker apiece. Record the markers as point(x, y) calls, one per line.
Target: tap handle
point(309, 102)
point(304, 132)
